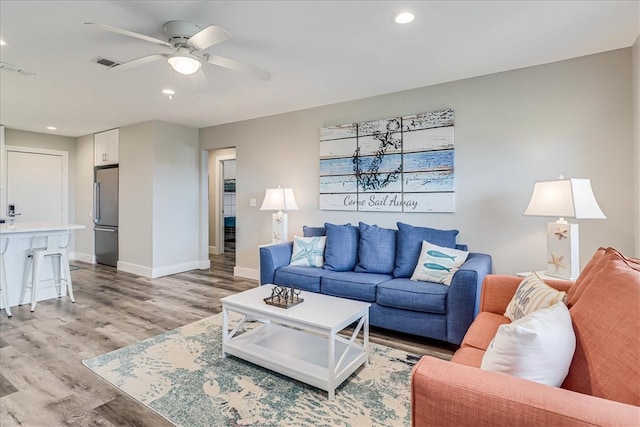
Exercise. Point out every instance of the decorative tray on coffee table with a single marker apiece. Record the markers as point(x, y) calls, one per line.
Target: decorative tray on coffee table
point(284, 297)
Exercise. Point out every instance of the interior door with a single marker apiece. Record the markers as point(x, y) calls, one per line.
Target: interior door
point(36, 186)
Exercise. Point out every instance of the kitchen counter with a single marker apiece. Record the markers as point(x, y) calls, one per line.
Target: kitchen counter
point(19, 236)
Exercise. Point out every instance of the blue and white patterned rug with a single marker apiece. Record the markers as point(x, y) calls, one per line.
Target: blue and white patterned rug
point(182, 376)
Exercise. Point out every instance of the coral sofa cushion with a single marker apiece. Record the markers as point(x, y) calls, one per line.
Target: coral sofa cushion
point(341, 250)
point(410, 240)
point(376, 249)
point(606, 320)
point(537, 347)
point(532, 295)
point(595, 264)
point(483, 329)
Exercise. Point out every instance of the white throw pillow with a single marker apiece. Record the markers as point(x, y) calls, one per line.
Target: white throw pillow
point(308, 251)
point(538, 347)
point(438, 264)
point(532, 294)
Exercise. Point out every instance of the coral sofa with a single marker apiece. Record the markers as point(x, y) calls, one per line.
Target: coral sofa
point(373, 264)
point(603, 383)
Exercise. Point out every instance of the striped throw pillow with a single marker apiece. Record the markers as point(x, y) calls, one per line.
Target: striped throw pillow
point(532, 294)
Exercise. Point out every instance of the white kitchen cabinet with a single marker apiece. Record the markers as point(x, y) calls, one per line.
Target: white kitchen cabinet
point(106, 147)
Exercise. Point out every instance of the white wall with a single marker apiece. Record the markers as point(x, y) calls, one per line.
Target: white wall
point(176, 201)
point(83, 178)
point(635, 75)
point(572, 117)
point(159, 199)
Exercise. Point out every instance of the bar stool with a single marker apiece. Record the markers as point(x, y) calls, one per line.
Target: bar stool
point(4, 244)
point(54, 246)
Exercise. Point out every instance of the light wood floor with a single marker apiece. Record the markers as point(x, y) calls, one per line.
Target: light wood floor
point(42, 380)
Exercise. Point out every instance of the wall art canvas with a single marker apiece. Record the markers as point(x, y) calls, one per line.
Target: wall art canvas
point(401, 164)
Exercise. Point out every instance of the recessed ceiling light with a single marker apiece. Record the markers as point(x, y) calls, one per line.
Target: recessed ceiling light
point(52, 128)
point(404, 18)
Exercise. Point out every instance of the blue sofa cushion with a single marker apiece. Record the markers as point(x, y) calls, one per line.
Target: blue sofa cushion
point(352, 285)
point(305, 278)
point(407, 294)
point(410, 240)
point(376, 249)
point(341, 250)
point(313, 231)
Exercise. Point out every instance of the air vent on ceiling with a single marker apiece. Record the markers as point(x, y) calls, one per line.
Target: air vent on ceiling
point(109, 63)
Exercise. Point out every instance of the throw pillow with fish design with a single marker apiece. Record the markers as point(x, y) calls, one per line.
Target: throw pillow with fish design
point(438, 264)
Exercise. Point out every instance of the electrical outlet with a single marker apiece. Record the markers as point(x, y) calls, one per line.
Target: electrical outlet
point(90, 214)
point(252, 203)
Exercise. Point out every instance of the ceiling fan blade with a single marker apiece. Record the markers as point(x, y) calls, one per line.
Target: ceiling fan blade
point(138, 62)
point(130, 34)
point(234, 65)
point(208, 37)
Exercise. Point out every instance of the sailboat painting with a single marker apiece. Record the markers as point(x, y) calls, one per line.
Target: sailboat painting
point(401, 164)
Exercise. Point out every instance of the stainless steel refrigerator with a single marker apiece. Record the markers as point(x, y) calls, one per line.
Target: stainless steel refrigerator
point(105, 215)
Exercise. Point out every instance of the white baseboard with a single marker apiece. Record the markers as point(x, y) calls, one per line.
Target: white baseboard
point(247, 273)
point(79, 256)
point(213, 250)
point(167, 270)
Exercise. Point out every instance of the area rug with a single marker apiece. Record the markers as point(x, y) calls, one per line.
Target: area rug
point(182, 376)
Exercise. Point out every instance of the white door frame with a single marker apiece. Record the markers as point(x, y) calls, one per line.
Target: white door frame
point(43, 151)
point(220, 199)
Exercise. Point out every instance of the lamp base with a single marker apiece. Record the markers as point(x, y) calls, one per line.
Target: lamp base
point(279, 227)
point(563, 259)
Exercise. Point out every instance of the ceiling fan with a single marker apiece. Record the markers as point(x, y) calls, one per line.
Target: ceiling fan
point(188, 42)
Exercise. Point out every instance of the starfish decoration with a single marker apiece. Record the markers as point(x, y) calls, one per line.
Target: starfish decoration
point(556, 260)
point(562, 234)
point(309, 250)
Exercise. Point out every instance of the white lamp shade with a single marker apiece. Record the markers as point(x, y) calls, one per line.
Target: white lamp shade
point(184, 64)
point(570, 198)
point(279, 199)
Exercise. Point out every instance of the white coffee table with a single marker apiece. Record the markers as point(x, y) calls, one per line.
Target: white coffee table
point(301, 342)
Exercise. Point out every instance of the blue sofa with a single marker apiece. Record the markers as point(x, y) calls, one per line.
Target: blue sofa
point(374, 264)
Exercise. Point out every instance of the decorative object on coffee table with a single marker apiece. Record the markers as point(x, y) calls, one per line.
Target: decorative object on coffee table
point(571, 198)
point(284, 297)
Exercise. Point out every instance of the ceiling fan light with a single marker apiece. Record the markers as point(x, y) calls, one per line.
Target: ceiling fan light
point(184, 64)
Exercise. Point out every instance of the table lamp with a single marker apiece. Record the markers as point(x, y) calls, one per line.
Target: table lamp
point(570, 198)
point(279, 199)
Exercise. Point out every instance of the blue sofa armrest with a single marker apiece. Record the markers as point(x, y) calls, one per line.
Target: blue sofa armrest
point(463, 300)
point(272, 257)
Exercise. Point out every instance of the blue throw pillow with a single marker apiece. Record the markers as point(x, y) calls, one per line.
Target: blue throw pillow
point(377, 249)
point(341, 250)
point(410, 240)
point(313, 231)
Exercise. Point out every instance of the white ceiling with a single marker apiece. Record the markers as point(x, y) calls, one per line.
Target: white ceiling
point(318, 52)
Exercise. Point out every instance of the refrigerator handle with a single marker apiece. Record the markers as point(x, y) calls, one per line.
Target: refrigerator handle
point(96, 202)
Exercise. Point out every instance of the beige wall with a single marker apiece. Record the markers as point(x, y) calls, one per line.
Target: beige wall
point(159, 204)
point(572, 117)
point(83, 178)
point(635, 75)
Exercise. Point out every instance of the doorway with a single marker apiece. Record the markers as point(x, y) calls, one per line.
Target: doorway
point(229, 205)
point(223, 223)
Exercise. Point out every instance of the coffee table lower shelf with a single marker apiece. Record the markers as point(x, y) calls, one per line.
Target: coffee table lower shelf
point(297, 354)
